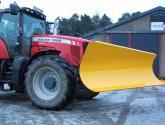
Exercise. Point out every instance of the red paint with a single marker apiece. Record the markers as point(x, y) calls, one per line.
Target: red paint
point(129, 39)
point(3, 50)
point(72, 55)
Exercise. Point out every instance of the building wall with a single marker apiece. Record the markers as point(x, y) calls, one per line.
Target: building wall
point(142, 24)
point(102, 37)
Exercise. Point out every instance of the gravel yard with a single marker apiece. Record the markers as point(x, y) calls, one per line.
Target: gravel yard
point(144, 106)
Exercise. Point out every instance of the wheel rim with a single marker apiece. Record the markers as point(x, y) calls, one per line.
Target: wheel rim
point(46, 83)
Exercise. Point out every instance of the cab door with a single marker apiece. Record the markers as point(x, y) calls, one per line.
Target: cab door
point(9, 32)
point(31, 26)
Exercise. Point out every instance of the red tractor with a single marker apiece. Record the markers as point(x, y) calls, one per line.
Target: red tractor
point(49, 67)
point(45, 66)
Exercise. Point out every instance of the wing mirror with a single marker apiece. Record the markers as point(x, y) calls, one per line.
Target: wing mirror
point(13, 9)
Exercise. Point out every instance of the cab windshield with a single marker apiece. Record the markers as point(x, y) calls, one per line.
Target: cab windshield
point(33, 26)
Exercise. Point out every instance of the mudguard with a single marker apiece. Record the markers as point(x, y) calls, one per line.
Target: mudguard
point(106, 67)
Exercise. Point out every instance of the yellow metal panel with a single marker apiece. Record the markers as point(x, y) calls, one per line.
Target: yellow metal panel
point(107, 67)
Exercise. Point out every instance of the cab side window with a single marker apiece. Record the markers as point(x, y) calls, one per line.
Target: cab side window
point(9, 25)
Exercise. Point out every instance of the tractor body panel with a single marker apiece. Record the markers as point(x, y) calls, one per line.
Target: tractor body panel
point(69, 48)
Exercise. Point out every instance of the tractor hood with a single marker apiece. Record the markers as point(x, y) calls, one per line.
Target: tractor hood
point(58, 38)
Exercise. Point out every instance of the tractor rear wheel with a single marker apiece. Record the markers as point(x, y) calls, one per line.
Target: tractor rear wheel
point(48, 84)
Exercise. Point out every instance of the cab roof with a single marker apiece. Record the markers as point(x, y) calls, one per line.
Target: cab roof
point(33, 12)
point(28, 11)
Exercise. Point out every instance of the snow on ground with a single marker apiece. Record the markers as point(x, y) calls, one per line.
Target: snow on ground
point(144, 106)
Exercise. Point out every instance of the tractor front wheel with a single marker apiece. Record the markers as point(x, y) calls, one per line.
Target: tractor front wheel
point(47, 83)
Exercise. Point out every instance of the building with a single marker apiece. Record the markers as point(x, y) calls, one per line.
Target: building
point(145, 32)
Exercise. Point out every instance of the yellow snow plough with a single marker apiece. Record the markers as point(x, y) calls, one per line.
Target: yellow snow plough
point(106, 67)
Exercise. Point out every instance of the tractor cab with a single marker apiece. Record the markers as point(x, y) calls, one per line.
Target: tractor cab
point(18, 25)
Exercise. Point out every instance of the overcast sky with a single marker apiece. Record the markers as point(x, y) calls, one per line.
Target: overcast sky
point(65, 8)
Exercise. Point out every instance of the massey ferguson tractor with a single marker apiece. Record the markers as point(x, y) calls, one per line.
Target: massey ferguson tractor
point(53, 70)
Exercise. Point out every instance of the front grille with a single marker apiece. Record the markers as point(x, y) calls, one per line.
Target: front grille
point(75, 50)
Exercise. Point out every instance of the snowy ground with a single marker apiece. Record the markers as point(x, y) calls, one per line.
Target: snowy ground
point(127, 107)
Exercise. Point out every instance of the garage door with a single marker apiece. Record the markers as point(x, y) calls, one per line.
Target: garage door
point(147, 42)
point(119, 39)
